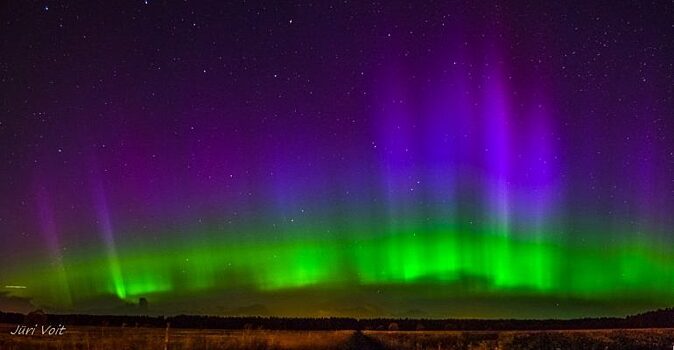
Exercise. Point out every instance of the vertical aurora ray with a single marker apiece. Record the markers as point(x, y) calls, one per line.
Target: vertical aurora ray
point(498, 153)
point(107, 235)
point(445, 128)
point(400, 179)
point(55, 279)
point(539, 188)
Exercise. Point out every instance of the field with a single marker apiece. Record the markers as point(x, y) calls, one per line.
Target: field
point(128, 338)
point(583, 339)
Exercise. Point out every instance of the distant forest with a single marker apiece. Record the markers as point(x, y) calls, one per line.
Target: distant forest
point(663, 318)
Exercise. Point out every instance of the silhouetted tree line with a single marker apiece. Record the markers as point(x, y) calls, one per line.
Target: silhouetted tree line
point(663, 318)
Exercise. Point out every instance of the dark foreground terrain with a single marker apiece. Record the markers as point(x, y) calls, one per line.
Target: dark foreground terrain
point(120, 338)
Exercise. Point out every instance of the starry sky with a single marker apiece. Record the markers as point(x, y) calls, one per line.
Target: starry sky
point(337, 158)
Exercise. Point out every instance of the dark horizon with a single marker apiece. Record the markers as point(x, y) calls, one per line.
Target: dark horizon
point(663, 318)
point(314, 303)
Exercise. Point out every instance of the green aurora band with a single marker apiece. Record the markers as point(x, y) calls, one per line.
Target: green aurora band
point(445, 256)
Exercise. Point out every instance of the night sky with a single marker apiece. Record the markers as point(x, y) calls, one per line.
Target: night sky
point(435, 159)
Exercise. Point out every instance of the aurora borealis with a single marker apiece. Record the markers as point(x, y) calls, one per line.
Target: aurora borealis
point(343, 158)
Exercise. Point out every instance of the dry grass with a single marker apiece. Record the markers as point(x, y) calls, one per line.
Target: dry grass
point(517, 340)
point(117, 338)
point(131, 338)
